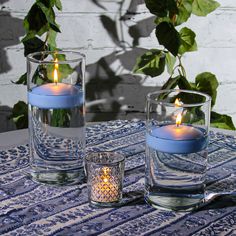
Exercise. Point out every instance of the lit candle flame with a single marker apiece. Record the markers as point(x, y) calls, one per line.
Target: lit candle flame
point(106, 170)
point(178, 102)
point(55, 74)
point(106, 174)
point(178, 119)
point(56, 64)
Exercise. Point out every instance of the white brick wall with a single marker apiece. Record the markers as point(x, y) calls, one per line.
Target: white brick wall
point(111, 86)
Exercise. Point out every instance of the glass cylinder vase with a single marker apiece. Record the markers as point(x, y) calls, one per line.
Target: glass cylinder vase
point(176, 148)
point(56, 116)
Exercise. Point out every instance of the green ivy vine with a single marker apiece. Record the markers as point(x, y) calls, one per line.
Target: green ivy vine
point(170, 14)
point(41, 31)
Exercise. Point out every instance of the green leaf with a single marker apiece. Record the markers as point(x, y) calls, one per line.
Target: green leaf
point(152, 63)
point(221, 121)
point(60, 118)
point(35, 22)
point(187, 39)
point(162, 8)
point(204, 7)
point(52, 39)
point(41, 76)
point(168, 37)
point(58, 5)
point(185, 10)
point(170, 62)
point(33, 45)
point(20, 115)
point(21, 80)
point(50, 16)
point(206, 82)
point(47, 3)
point(171, 83)
point(184, 84)
point(158, 20)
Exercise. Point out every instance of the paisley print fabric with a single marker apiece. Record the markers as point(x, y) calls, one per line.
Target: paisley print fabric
point(29, 208)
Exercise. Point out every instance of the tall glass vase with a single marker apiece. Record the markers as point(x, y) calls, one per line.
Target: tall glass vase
point(56, 116)
point(176, 148)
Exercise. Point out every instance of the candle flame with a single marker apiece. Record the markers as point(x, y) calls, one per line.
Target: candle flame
point(56, 64)
point(106, 174)
point(55, 74)
point(55, 77)
point(105, 180)
point(178, 119)
point(178, 102)
point(106, 170)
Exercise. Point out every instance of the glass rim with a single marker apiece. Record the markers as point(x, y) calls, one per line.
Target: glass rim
point(149, 99)
point(119, 158)
point(30, 57)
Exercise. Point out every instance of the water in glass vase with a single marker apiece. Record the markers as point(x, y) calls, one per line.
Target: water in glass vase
point(175, 181)
point(57, 144)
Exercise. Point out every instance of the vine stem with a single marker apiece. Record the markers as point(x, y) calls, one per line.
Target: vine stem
point(180, 68)
point(183, 72)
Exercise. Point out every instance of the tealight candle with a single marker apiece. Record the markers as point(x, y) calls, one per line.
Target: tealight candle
point(105, 187)
point(105, 172)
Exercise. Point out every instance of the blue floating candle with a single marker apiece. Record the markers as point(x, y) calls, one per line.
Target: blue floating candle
point(56, 95)
point(180, 139)
point(177, 138)
point(53, 96)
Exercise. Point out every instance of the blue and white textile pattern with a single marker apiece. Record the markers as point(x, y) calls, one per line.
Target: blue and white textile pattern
point(28, 208)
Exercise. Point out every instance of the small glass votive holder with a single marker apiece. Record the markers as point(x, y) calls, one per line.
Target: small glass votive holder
point(105, 173)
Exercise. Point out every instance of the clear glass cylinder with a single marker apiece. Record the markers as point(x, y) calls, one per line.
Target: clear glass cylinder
point(105, 173)
point(56, 116)
point(176, 148)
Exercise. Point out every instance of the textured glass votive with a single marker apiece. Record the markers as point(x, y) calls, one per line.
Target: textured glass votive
point(105, 173)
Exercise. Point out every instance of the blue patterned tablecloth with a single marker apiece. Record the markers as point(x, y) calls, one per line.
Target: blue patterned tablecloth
point(28, 208)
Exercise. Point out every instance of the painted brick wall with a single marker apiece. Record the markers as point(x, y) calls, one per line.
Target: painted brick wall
point(112, 33)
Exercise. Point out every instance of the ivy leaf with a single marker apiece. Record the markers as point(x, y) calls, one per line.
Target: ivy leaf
point(206, 82)
point(21, 80)
point(168, 36)
point(52, 39)
point(170, 62)
point(161, 8)
point(152, 63)
point(33, 45)
point(187, 39)
point(47, 3)
point(184, 84)
point(171, 83)
point(221, 121)
point(20, 115)
point(35, 22)
point(50, 16)
point(60, 118)
point(187, 97)
point(41, 76)
point(204, 7)
point(185, 10)
point(58, 5)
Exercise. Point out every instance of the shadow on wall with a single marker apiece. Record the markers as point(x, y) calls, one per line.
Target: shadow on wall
point(11, 29)
point(115, 93)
